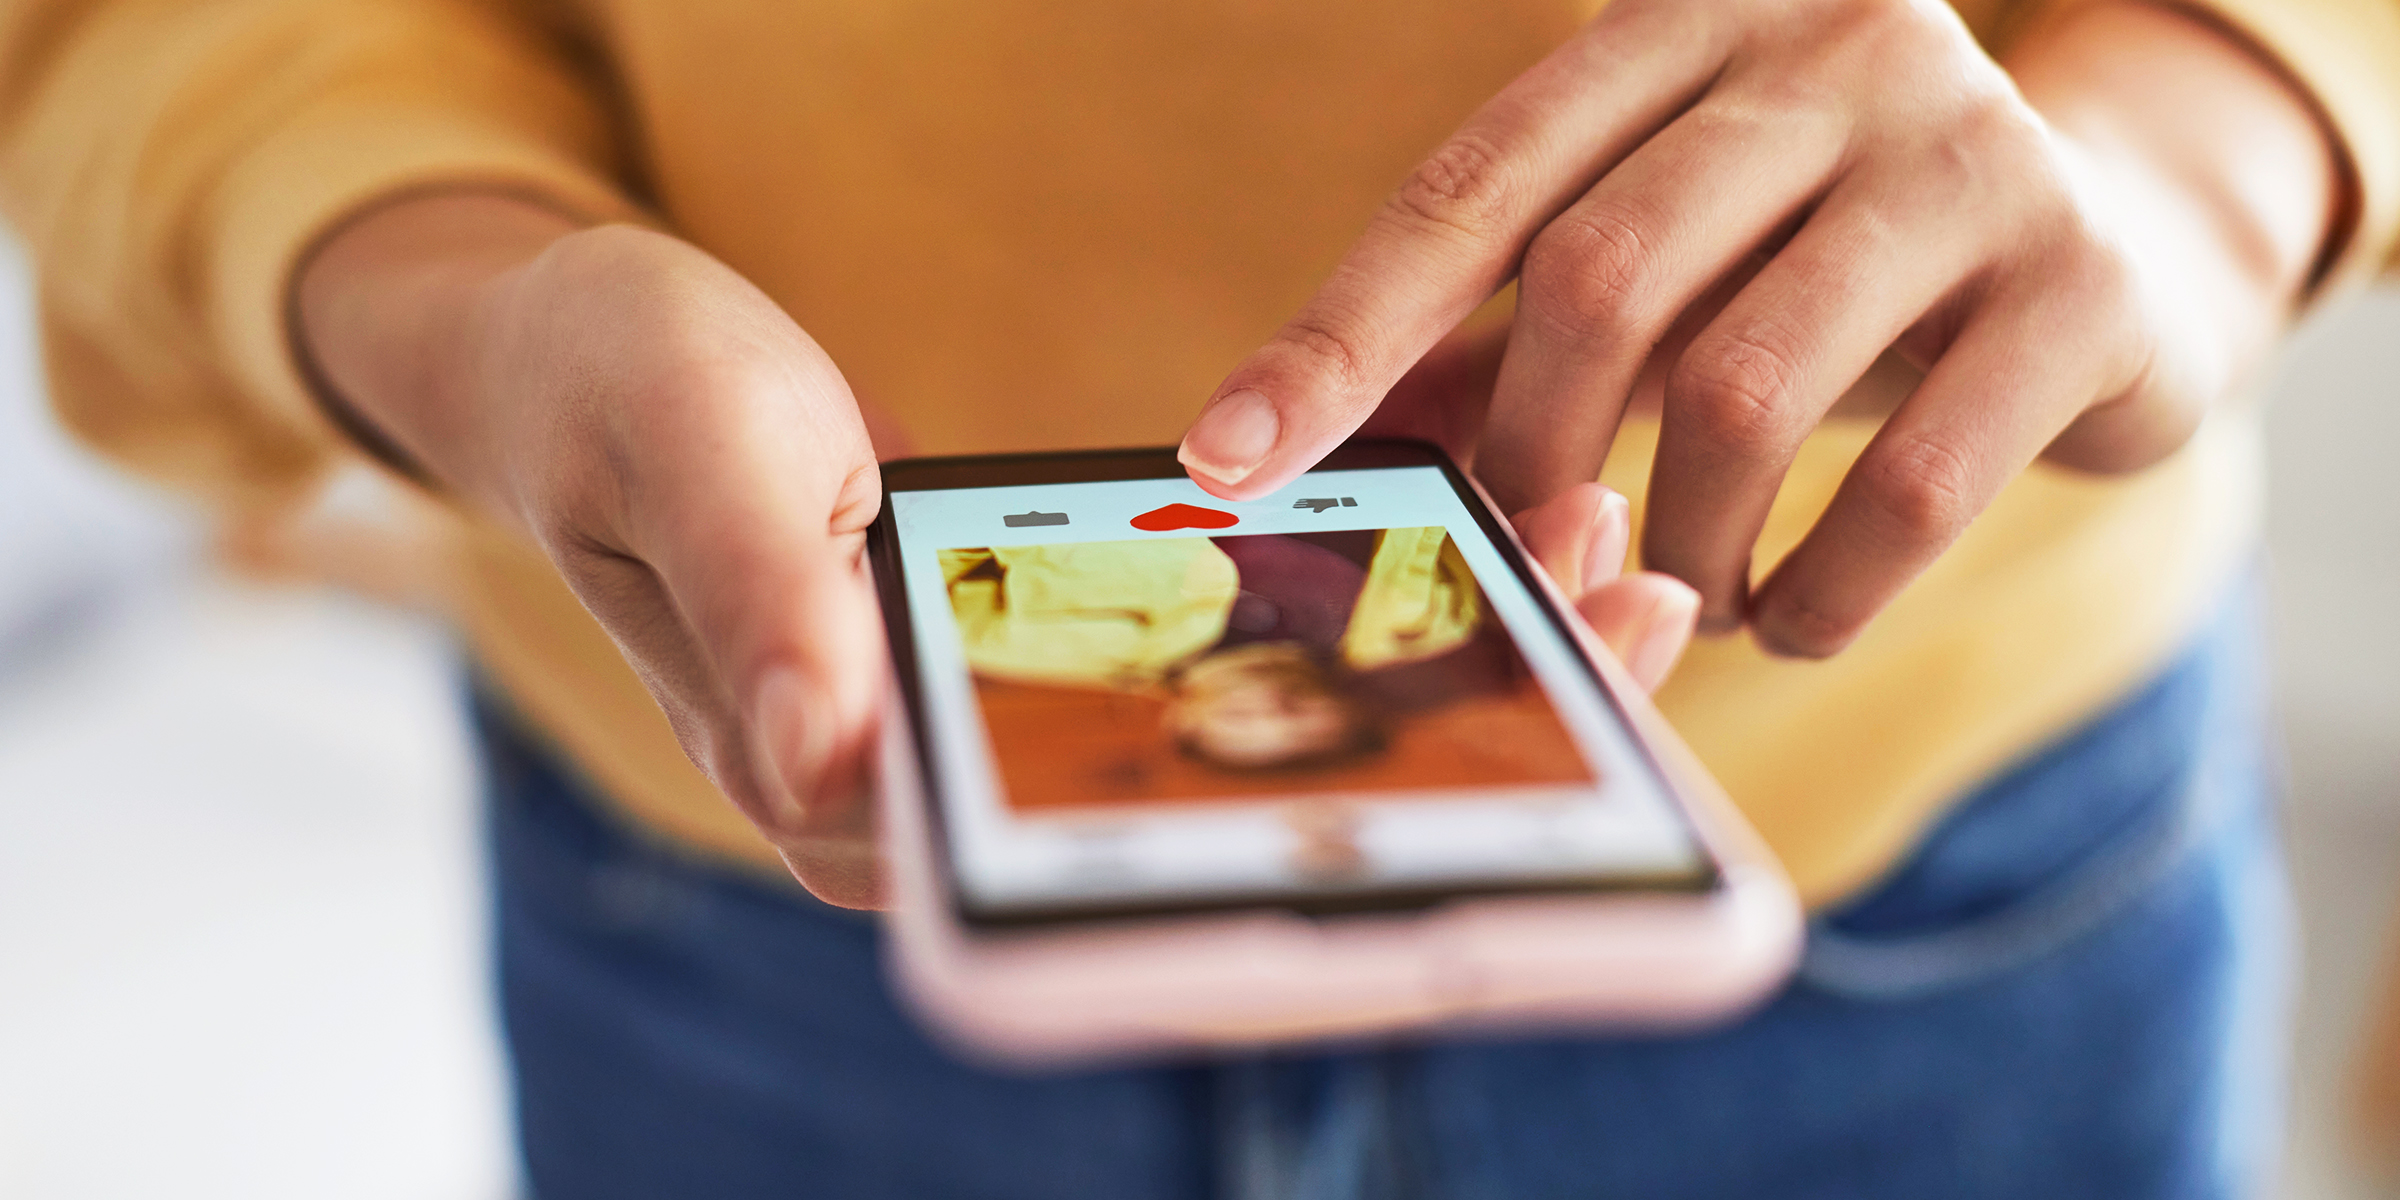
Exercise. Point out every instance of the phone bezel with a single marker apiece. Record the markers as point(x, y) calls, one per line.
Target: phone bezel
point(1091, 466)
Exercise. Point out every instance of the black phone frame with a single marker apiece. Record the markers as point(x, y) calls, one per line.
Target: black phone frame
point(1096, 466)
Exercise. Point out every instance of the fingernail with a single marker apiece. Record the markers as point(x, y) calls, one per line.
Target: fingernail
point(1612, 534)
point(1784, 629)
point(1232, 438)
point(787, 720)
point(1728, 616)
point(1661, 641)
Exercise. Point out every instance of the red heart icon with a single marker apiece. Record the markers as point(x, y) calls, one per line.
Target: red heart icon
point(1183, 516)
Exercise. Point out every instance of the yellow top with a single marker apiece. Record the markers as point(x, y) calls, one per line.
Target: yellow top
point(1014, 225)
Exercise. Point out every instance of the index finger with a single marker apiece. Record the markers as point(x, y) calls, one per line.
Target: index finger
point(1448, 240)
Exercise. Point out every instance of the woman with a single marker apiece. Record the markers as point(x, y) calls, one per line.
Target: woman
point(2021, 788)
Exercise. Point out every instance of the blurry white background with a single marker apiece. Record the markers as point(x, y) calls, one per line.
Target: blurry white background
point(240, 946)
point(240, 953)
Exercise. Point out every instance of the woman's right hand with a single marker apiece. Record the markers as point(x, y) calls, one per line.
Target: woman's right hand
point(689, 459)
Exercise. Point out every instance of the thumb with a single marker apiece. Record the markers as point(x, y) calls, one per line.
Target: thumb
point(1647, 620)
point(758, 547)
point(1580, 536)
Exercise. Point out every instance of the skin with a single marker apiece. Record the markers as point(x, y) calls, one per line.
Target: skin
point(1731, 208)
point(702, 478)
point(701, 475)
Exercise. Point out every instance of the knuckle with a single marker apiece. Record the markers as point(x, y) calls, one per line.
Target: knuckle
point(1333, 348)
point(1990, 140)
point(1590, 273)
point(2098, 272)
point(1835, 38)
point(1465, 186)
point(1984, 153)
point(1920, 492)
point(1997, 120)
point(1735, 389)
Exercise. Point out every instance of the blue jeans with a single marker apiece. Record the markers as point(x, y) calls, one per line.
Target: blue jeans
point(2073, 988)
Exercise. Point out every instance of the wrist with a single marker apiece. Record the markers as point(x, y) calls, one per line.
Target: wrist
point(391, 312)
point(2210, 145)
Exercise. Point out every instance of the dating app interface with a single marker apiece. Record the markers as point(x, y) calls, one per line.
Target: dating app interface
point(1139, 691)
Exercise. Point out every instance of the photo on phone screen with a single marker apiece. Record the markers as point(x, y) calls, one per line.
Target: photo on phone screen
point(1138, 694)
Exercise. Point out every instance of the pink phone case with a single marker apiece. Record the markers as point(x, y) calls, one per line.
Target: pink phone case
point(1609, 961)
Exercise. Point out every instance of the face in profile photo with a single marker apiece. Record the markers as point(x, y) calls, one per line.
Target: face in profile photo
point(1267, 705)
point(1220, 668)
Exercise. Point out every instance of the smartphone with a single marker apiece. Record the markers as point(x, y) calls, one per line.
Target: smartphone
point(1167, 772)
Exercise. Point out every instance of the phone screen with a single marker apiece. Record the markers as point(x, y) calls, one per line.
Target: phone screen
point(1135, 696)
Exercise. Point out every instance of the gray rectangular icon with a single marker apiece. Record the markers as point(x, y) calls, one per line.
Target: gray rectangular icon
point(1027, 519)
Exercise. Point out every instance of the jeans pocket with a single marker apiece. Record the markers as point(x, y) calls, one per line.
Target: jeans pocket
point(1904, 965)
point(2053, 848)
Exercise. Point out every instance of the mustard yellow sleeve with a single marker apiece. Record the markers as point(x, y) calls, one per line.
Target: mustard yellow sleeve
point(168, 162)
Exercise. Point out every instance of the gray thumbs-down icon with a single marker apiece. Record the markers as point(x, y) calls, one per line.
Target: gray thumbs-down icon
point(1025, 520)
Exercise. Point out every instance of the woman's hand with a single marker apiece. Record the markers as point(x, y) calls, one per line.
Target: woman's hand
point(1580, 537)
point(700, 475)
point(1751, 200)
point(688, 458)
